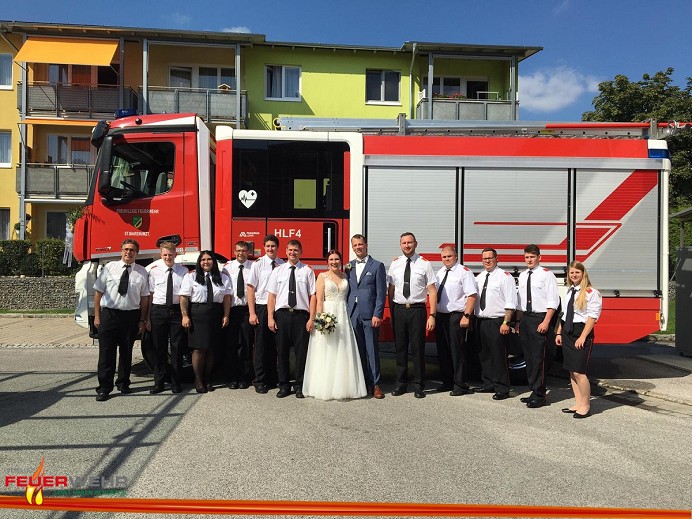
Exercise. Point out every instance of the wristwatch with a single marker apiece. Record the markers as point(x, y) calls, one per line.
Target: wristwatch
point(468, 316)
point(433, 315)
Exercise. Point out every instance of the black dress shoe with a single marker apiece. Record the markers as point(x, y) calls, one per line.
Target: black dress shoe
point(568, 410)
point(261, 389)
point(399, 390)
point(418, 393)
point(536, 403)
point(233, 385)
point(283, 393)
point(460, 391)
point(526, 399)
point(125, 390)
point(243, 385)
point(444, 387)
point(483, 389)
point(210, 388)
point(156, 390)
point(102, 397)
point(299, 394)
point(577, 415)
point(200, 389)
point(175, 388)
point(500, 396)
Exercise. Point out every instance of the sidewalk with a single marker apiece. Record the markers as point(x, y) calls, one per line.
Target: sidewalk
point(645, 368)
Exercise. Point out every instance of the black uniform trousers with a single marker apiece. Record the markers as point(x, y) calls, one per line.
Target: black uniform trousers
point(117, 331)
point(409, 329)
point(291, 332)
point(167, 324)
point(240, 342)
point(534, 346)
point(265, 351)
point(492, 353)
point(451, 349)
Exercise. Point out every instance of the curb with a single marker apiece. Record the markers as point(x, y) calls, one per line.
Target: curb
point(653, 394)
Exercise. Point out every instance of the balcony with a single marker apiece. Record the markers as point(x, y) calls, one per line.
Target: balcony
point(79, 101)
point(213, 105)
point(59, 182)
point(466, 110)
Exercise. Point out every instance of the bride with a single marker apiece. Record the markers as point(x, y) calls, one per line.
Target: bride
point(333, 370)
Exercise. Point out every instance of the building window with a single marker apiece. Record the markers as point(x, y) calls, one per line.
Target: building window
point(4, 224)
point(60, 74)
point(64, 149)
point(5, 71)
point(5, 149)
point(56, 224)
point(382, 86)
point(208, 78)
point(282, 83)
point(455, 87)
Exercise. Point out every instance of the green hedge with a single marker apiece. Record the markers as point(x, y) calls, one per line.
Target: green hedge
point(18, 257)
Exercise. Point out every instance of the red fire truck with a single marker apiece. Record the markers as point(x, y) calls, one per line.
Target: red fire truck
point(595, 192)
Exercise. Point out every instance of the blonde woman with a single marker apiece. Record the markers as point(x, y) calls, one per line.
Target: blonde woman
point(581, 309)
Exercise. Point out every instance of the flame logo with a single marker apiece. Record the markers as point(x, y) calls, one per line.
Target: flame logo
point(34, 494)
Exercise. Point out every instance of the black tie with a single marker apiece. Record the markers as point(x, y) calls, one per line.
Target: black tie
point(529, 307)
point(292, 301)
point(273, 264)
point(210, 291)
point(169, 288)
point(442, 285)
point(240, 288)
point(485, 287)
point(407, 279)
point(124, 281)
point(569, 319)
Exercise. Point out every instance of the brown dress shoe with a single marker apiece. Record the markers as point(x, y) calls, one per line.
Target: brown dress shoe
point(377, 393)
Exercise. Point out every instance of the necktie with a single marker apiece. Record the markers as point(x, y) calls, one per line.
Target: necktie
point(292, 300)
point(240, 288)
point(124, 281)
point(169, 288)
point(442, 285)
point(210, 291)
point(360, 261)
point(273, 264)
point(529, 308)
point(485, 287)
point(407, 279)
point(569, 318)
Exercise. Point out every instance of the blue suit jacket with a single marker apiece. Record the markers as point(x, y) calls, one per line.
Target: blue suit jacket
point(371, 291)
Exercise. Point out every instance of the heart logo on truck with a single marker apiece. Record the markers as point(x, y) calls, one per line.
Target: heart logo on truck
point(248, 197)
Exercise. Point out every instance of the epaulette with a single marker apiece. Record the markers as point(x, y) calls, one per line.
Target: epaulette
point(507, 273)
point(589, 290)
point(154, 266)
point(547, 270)
point(421, 257)
point(466, 268)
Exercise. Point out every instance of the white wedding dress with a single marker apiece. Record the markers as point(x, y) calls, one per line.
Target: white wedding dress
point(333, 370)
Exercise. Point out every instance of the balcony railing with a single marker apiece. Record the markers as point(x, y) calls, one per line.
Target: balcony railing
point(56, 181)
point(466, 110)
point(212, 105)
point(86, 101)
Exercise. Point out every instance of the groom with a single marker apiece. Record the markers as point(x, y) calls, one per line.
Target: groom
point(366, 296)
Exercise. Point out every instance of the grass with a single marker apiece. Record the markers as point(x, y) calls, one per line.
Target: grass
point(64, 311)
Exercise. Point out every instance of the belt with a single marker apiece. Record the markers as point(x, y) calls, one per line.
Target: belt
point(489, 318)
point(535, 314)
point(204, 304)
point(293, 311)
point(411, 305)
point(153, 305)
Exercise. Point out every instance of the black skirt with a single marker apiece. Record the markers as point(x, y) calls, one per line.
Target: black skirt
point(573, 359)
point(206, 325)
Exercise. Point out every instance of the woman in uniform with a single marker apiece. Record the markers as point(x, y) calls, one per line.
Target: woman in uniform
point(575, 333)
point(205, 302)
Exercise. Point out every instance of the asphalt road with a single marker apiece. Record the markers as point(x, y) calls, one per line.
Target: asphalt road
point(242, 445)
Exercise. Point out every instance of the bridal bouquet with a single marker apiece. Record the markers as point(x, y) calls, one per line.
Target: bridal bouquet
point(325, 322)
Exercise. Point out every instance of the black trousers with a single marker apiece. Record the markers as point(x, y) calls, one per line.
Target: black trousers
point(166, 325)
point(492, 353)
point(409, 329)
point(291, 332)
point(265, 351)
point(534, 346)
point(117, 332)
point(451, 349)
point(240, 342)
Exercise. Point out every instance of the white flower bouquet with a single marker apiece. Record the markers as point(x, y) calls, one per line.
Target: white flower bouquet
point(325, 322)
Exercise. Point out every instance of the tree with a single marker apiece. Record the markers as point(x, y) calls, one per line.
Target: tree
point(653, 97)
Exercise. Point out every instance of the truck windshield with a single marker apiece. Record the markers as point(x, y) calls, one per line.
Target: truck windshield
point(140, 169)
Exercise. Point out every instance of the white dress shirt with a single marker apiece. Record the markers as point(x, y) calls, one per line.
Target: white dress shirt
point(422, 276)
point(232, 268)
point(108, 282)
point(259, 277)
point(360, 266)
point(198, 293)
point(543, 290)
point(305, 285)
point(594, 304)
point(158, 281)
point(459, 286)
point(500, 294)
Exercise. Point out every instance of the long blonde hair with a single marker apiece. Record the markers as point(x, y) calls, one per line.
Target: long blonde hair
point(580, 302)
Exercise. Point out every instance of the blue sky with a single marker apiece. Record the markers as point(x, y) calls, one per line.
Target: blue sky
point(584, 41)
